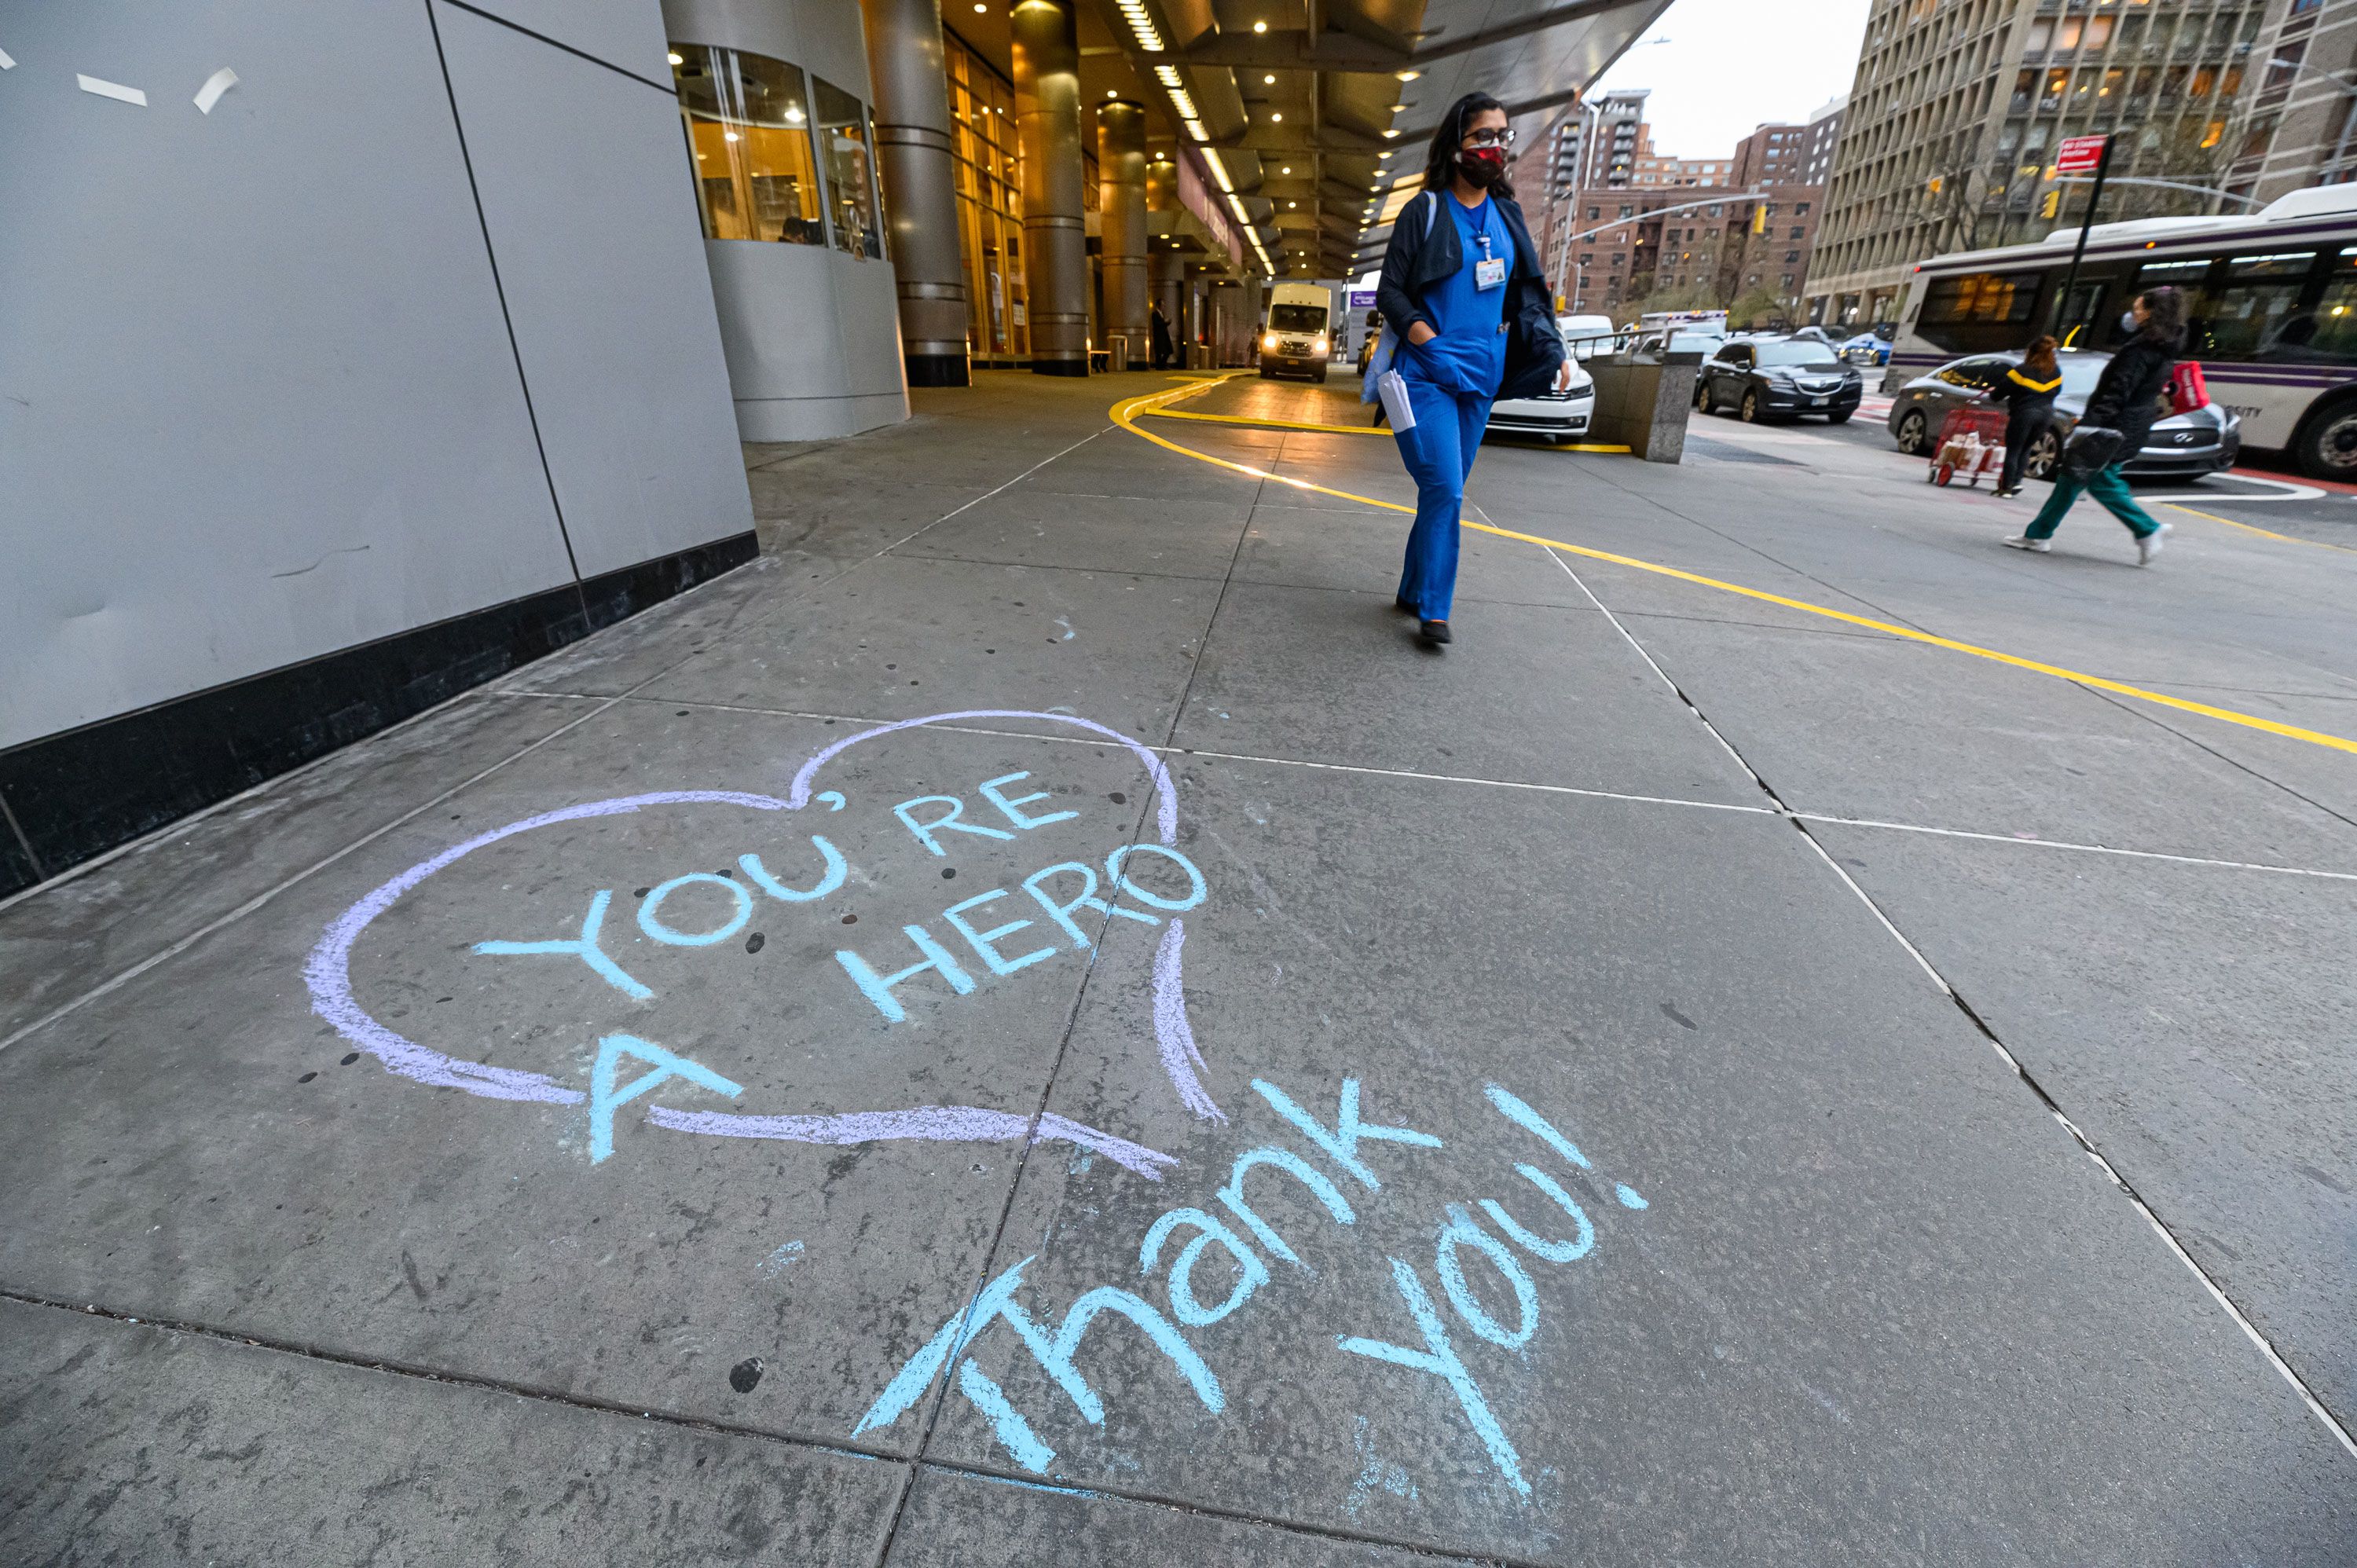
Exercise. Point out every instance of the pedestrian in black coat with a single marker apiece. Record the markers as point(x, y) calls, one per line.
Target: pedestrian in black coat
point(2126, 399)
point(2028, 391)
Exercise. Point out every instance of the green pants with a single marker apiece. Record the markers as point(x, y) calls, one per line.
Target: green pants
point(2107, 486)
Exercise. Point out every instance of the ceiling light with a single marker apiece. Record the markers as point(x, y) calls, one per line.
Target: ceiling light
point(729, 135)
point(1390, 134)
point(1409, 75)
point(1399, 108)
point(1269, 81)
point(1166, 74)
point(1110, 92)
point(793, 117)
point(1260, 26)
point(1387, 152)
point(1291, 205)
point(981, 8)
point(677, 59)
point(1277, 119)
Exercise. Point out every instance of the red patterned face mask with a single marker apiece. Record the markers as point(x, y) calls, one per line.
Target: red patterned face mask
point(1483, 165)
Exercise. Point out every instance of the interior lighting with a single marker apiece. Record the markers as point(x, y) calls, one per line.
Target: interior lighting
point(676, 57)
point(1277, 119)
point(793, 117)
point(1409, 75)
point(1195, 129)
point(1260, 26)
point(1149, 37)
point(729, 135)
point(1390, 135)
point(1286, 169)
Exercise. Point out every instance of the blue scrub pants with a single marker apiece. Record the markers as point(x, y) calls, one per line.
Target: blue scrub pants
point(1439, 454)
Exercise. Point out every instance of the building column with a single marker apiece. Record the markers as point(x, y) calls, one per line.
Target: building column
point(915, 159)
point(1121, 199)
point(1055, 238)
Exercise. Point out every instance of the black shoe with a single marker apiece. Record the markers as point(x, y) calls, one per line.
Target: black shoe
point(1434, 633)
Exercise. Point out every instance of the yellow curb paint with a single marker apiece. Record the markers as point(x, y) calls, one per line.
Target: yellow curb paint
point(2262, 533)
point(1126, 412)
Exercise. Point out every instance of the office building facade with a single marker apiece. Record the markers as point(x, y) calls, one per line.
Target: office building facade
point(1957, 109)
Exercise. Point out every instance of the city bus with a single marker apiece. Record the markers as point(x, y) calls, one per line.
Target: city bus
point(2273, 302)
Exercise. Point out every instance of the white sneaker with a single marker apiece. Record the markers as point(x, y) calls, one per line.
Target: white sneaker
point(2150, 545)
point(2023, 541)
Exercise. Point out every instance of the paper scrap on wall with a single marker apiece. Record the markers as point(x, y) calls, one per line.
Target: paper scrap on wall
point(112, 90)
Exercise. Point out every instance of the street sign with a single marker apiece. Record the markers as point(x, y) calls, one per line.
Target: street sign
point(2079, 155)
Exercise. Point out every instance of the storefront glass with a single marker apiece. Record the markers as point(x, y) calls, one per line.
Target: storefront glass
point(990, 206)
point(845, 139)
point(749, 127)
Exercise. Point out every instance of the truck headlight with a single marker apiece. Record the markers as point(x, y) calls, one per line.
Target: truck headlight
point(1268, 344)
point(1320, 346)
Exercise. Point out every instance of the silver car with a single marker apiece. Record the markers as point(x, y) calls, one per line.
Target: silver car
point(2182, 446)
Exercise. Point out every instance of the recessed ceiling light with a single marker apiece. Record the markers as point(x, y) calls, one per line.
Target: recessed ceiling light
point(1277, 119)
point(676, 57)
point(1390, 134)
point(729, 135)
point(1260, 26)
point(1269, 81)
point(1409, 75)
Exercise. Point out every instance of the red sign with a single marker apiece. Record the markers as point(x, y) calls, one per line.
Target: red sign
point(2079, 155)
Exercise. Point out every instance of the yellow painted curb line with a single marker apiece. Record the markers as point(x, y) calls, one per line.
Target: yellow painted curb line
point(2262, 533)
point(1126, 412)
point(1246, 419)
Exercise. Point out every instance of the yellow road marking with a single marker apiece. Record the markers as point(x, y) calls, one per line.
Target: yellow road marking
point(2262, 533)
point(1126, 412)
point(1252, 420)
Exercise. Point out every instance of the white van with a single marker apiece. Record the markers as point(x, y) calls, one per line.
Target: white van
point(1299, 339)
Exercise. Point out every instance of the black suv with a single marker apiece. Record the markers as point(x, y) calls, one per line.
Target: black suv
point(1779, 378)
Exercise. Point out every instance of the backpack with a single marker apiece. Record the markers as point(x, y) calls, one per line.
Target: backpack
point(2188, 389)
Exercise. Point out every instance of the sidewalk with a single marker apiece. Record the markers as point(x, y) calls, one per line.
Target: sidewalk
point(1034, 1023)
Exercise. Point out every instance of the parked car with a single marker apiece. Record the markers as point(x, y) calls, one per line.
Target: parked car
point(1866, 348)
point(1682, 340)
point(1780, 378)
point(2183, 445)
point(1556, 415)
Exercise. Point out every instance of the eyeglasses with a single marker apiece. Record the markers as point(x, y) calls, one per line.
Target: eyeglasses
point(1489, 138)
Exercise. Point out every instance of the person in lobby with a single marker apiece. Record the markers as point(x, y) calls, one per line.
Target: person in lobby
point(1468, 318)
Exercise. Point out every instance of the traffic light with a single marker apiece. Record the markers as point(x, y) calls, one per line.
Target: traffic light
point(2051, 205)
point(1760, 218)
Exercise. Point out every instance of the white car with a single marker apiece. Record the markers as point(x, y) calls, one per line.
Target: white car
point(1556, 415)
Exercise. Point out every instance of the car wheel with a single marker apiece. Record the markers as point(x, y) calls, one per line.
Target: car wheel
point(2045, 455)
point(1914, 433)
point(1702, 395)
point(2328, 447)
point(1750, 412)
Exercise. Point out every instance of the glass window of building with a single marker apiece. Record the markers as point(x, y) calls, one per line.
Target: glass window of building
point(990, 209)
point(749, 127)
point(844, 140)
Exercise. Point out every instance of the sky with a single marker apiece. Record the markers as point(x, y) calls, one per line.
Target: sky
point(1720, 69)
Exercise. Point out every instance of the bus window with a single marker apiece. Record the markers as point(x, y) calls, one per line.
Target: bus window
point(2328, 333)
point(2245, 312)
point(1978, 312)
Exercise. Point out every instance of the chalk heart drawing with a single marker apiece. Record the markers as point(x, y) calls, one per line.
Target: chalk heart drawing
point(328, 973)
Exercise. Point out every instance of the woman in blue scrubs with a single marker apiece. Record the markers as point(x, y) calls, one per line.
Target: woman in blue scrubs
point(1462, 286)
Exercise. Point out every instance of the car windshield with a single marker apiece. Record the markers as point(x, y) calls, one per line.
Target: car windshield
point(1295, 318)
point(1797, 353)
point(2080, 375)
point(1692, 343)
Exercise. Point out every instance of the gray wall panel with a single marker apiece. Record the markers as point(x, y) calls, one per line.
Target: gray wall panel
point(591, 207)
point(624, 33)
point(257, 401)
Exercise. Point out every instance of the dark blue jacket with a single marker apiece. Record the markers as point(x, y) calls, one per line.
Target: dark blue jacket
point(1424, 249)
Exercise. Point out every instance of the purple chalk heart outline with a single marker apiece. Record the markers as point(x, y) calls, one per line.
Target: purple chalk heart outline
point(328, 972)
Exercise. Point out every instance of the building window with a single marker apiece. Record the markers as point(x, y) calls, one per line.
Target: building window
point(990, 209)
point(749, 127)
point(844, 138)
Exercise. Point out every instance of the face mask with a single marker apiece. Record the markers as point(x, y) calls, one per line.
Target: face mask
point(1483, 165)
point(2128, 323)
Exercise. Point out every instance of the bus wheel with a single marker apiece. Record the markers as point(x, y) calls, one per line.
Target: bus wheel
point(2328, 446)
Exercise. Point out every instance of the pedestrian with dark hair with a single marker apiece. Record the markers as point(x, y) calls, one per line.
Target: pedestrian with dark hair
point(2028, 391)
point(1469, 318)
point(2119, 416)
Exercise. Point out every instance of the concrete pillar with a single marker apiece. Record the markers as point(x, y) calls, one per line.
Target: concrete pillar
point(1055, 238)
point(1121, 199)
point(915, 158)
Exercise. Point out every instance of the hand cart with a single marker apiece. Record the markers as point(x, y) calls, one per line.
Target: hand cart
point(1971, 442)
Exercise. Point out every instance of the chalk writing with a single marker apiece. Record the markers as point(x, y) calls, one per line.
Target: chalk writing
point(1345, 1144)
point(682, 913)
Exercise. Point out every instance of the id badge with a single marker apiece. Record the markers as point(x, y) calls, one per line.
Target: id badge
point(1488, 275)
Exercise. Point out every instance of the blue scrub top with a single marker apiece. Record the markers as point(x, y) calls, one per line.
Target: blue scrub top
point(1469, 357)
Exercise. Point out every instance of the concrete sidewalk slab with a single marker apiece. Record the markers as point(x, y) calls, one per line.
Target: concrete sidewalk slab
point(124, 1442)
point(1877, 1306)
point(1529, 694)
point(2186, 1013)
